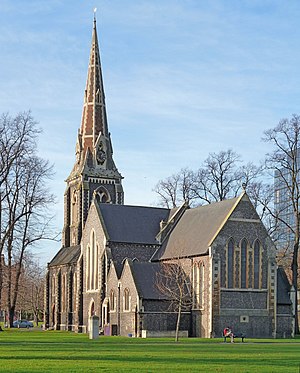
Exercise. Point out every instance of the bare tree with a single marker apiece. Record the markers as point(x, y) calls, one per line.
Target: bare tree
point(17, 138)
point(285, 161)
point(25, 200)
point(262, 197)
point(31, 294)
point(220, 177)
point(173, 283)
point(176, 189)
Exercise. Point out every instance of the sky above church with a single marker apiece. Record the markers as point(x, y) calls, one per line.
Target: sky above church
point(182, 78)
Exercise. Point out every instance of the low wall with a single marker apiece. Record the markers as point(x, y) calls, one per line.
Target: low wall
point(163, 333)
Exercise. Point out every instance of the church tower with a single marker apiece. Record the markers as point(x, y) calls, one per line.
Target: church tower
point(94, 174)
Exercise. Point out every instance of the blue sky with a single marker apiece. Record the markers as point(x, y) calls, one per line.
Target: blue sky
point(182, 78)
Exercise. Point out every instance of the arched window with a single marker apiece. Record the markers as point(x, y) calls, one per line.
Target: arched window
point(244, 261)
point(201, 284)
point(92, 264)
point(112, 301)
point(53, 317)
point(96, 265)
point(195, 272)
point(53, 286)
point(230, 263)
point(198, 277)
point(74, 291)
point(74, 207)
point(103, 195)
point(88, 269)
point(257, 258)
point(63, 292)
point(126, 300)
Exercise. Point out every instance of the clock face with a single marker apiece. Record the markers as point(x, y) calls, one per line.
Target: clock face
point(101, 156)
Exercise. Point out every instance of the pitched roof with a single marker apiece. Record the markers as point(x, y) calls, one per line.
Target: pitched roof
point(66, 255)
point(132, 224)
point(196, 230)
point(145, 275)
point(283, 287)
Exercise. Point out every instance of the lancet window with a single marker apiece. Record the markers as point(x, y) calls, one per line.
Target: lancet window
point(74, 290)
point(230, 263)
point(257, 265)
point(53, 286)
point(64, 292)
point(74, 207)
point(243, 265)
point(198, 284)
point(126, 300)
point(92, 263)
point(112, 300)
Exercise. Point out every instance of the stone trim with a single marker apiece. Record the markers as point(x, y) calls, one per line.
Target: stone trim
point(243, 220)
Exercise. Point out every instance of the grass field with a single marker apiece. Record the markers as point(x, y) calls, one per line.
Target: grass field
point(51, 351)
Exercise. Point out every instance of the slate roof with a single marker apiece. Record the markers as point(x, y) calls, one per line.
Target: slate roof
point(145, 275)
point(283, 287)
point(132, 224)
point(196, 230)
point(66, 255)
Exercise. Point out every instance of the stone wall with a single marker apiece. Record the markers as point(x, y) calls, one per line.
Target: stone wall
point(247, 310)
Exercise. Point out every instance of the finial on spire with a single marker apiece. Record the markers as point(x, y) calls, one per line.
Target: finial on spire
point(95, 10)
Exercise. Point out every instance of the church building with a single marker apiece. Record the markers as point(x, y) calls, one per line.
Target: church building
point(113, 255)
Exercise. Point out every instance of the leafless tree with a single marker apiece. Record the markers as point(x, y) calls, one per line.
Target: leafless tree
point(173, 283)
point(25, 199)
point(17, 138)
point(220, 177)
point(176, 189)
point(262, 196)
point(285, 162)
point(31, 294)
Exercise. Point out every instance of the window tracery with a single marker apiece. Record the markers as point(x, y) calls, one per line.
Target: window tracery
point(198, 284)
point(243, 265)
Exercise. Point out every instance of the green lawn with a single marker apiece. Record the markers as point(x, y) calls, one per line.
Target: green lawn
point(50, 351)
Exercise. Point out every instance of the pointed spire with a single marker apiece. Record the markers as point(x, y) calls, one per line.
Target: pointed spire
point(94, 118)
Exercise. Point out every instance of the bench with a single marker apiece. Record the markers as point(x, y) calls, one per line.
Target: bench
point(235, 335)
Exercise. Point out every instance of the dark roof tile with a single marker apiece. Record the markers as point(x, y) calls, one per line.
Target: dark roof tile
point(146, 276)
point(66, 255)
point(195, 230)
point(132, 224)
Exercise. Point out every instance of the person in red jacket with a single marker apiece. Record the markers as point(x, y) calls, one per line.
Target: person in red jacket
point(228, 333)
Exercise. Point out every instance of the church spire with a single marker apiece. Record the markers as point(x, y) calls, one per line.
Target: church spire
point(94, 119)
point(94, 174)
